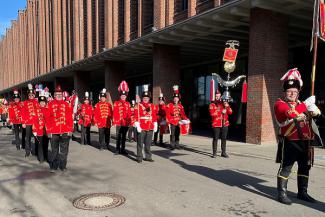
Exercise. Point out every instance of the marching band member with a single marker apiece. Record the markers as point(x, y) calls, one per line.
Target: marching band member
point(59, 128)
point(296, 135)
point(132, 132)
point(219, 112)
point(14, 116)
point(103, 119)
point(85, 120)
point(122, 117)
point(162, 122)
point(176, 117)
point(146, 123)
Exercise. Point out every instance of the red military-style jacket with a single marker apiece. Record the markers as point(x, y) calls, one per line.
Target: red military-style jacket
point(29, 111)
point(146, 115)
point(122, 113)
point(60, 118)
point(86, 115)
point(15, 110)
point(103, 114)
point(41, 120)
point(285, 112)
point(175, 113)
point(161, 113)
point(218, 118)
point(132, 116)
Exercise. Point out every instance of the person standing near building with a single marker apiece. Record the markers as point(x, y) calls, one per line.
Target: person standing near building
point(162, 122)
point(296, 136)
point(103, 119)
point(132, 132)
point(29, 118)
point(14, 116)
point(146, 124)
point(219, 112)
point(122, 118)
point(175, 117)
point(39, 129)
point(85, 120)
point(59, 128)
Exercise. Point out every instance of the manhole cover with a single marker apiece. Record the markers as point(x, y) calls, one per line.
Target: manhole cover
point(98, 201)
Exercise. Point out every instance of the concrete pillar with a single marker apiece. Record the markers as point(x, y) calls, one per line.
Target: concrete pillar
point(166, 70)
point(114, 72)
point(81, 83)
point(268, 59)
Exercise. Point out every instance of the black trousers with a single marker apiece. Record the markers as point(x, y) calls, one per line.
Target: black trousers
point(23, 138)
point(28, 140)
point(85, 135)
point(104, 137)
point(17, 128)
point(155, 136)
point(294, 151)
point(121, 132)
point(216, 136)
point(175, 132)
point(145, 137)
point(59, 151)
point(132, 133)
point(41, 148)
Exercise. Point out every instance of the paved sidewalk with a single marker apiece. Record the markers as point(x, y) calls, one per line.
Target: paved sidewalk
point(180, 183)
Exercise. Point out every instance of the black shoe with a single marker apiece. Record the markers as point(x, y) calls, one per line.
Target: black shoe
point(225, 155)
point(306, 197)
point(139, 161)
point(18, 148)
point(117, 152)
point(214, 156)
point(124, 152)
point(149, 160)
point(283, 198)
point(63, 170)
point(27, 154)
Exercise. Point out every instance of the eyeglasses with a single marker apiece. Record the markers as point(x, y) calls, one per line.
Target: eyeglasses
point(292, 92)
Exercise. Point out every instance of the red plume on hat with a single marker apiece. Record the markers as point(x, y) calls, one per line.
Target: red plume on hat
point(16, 93)
point(292, 79)
point(123, 88)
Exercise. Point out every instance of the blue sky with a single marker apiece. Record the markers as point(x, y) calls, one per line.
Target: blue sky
point(9, 11)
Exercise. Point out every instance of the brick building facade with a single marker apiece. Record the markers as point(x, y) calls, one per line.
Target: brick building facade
point(89, 44)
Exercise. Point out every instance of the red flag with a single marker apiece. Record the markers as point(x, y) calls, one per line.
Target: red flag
point(244, 93)
point(322, 20)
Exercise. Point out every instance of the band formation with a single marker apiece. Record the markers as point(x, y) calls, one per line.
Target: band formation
point(53, 120)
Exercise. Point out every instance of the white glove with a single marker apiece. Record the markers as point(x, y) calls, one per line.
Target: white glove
point(314, 110)
point(137, 125)
point(310, 100)
point(155, 127)
point(49, 135)
point(224, 111)
point(35, 134)
point(182, 122)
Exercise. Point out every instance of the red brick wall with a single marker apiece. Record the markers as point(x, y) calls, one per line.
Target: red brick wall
point(268, 58)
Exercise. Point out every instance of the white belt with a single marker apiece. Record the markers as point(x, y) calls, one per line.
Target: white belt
point(145, 118)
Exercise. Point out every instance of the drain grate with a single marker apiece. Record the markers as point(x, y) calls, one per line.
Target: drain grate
point(98, 201)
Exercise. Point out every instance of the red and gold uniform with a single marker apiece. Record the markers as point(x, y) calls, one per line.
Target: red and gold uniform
point(286, 111)
point(162, 119)
point(29, 116)
point(60, 119)
point(85, 115)
point(122, 113)
point(219, 119)
point(175, 113)
point(103, 113)
point(15, 112)
point(146, 115)
point(132, 116)
point(41, 119)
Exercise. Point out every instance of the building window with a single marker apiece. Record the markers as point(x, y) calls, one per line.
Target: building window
point(181, 5)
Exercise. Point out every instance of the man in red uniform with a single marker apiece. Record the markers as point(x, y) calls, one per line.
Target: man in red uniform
point(132, 132)
point(29, 118)
point(59, 129)
point(85, 120)
point(296, 136)
point(175, 117)
point(103, 118)
point(39, 130)
point(162, 122)
point(219, 112)
point(146, 123)
point(122, 118)
point(14, 116)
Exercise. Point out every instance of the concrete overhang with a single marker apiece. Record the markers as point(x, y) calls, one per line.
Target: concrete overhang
point(201, 38)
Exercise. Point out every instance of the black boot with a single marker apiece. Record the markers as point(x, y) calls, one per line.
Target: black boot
point(214, 150)
point(282, 191)
point(302, 190)
point(223, 150)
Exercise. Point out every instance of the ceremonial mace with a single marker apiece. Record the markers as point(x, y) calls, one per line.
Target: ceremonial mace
point(229, 58)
